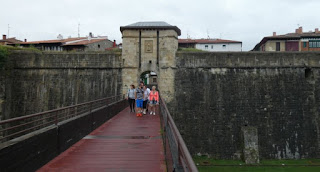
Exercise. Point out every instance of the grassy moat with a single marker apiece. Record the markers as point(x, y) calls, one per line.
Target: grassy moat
point(205, 164)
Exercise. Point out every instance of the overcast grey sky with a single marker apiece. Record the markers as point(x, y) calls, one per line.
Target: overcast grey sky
point(242, 20)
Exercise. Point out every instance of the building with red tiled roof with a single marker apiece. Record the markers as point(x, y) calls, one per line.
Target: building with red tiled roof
point(5, 40)
point(211, 44)
point(71, 44)
point(93, 44)
point(297, 41)
point(120, 45)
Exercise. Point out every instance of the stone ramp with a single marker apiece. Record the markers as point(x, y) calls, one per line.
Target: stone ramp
point(124, 143)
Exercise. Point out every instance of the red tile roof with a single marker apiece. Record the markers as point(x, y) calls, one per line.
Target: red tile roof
point(296, 35)
point(206, 41)
point(53, 41)
point(288, 36)
point(11, 40)
point(186, 41)
point(85, 42)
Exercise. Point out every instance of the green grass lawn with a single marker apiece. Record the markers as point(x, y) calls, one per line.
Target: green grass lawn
point(258, 169)
point(205, 164)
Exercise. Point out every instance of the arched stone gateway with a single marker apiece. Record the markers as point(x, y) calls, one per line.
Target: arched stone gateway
point(150, 46)
point(149, 78)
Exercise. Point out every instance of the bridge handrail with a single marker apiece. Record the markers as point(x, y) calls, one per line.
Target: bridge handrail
point(185, 159)
point(49, 117)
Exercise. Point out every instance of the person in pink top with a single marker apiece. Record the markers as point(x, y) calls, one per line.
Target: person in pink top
point(154, 100)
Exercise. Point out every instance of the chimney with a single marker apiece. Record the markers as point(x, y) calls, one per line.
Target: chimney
point(274, 33)
point(4, 37)
point(299, 30)
point(317, 30)
point(114, 43)
point(25, 40)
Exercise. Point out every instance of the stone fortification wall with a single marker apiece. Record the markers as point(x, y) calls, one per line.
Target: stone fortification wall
point(217, 94)
point(36, 82)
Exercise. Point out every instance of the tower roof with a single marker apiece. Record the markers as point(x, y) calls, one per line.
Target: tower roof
point(150, 25)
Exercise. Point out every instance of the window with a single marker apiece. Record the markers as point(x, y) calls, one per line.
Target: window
point(304, 45)
point(314, 44)
point(98, 45)
point(206, 46)
point(224, 46)
point(277, 46)
point(211, 46)
point(154, 80)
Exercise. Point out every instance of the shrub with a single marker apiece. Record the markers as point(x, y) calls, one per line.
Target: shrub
point(3, 56)
point(189, 49)
point(5, 51)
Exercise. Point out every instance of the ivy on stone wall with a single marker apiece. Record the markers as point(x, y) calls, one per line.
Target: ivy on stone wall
point(3, 56)
point(5, 52)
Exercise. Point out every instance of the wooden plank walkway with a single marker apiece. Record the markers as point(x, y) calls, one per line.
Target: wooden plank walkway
point(124, 143)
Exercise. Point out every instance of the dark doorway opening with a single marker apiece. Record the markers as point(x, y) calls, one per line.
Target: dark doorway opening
point(277, 46)
point(308, 73)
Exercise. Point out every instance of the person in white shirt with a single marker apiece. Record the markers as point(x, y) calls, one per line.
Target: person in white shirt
point(145, 99)
point(131, 98)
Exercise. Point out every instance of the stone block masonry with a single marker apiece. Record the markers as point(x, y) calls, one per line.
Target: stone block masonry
point(36, 82)
point(250, 145)
point(216, 94)
point(135, 63)
point(211, 96)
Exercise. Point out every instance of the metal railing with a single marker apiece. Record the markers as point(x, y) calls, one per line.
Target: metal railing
point(16, 127)
point(177, 154)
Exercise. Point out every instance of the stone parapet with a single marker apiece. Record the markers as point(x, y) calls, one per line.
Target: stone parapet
point(247, 59)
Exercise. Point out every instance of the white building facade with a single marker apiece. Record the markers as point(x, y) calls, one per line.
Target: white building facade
point(219, 46)
point(213, 45)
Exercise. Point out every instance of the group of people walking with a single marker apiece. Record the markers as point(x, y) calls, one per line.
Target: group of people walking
point(141, 98)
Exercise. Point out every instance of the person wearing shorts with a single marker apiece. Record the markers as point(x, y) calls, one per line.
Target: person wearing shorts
point(154, 100)
point(139, 99)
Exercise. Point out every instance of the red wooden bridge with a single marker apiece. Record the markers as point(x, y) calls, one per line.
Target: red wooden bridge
point(124, 143)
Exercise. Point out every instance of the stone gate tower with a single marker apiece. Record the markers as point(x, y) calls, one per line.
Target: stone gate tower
point(150, 46)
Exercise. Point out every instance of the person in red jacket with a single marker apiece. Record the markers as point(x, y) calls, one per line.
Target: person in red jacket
point(154, 100)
